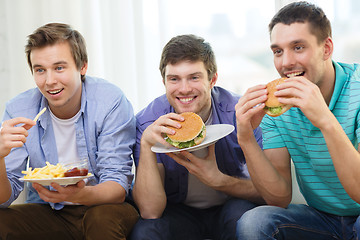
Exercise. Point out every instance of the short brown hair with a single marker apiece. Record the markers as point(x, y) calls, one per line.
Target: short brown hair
point(304, 12)
point(188, 47)
point(53, 33)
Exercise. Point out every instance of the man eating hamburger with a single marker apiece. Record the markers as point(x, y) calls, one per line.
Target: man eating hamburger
point(190, 191)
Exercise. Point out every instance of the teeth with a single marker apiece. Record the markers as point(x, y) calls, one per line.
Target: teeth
point(294, 74)
point(185, 99)
point(55, 92)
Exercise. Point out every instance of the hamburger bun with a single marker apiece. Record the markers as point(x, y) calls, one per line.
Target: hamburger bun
point(191, 133)
point(273, 107)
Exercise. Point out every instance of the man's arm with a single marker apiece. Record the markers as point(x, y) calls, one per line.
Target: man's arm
point(207, 171)
point(270, 169)
point(148, 191)
point(345, 157)
point(103, 193)
point(11, 137)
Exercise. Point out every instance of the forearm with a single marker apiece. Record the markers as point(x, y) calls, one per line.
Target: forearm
point(148, 192)
point(274, 188)
point(5, 186)
point(103, 193)
point(345, 157)
point(239, 188)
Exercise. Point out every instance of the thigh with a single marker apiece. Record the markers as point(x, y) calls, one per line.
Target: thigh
point(356, 229)
point(109, 221)
point(226, 218)
point(295, 222)
point(177, 222)
point(37, 221)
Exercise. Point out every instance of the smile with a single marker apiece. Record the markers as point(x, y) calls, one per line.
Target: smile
point(53, 92)
point(186, 99)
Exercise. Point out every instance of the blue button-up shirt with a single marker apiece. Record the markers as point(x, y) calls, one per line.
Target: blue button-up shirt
point(105, 134)
point(229, 156)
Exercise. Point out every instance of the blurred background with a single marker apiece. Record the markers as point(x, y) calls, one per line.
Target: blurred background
point(125, 38)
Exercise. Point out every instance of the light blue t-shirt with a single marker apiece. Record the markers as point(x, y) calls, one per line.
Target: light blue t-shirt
point(314, 168)
point(105, 134)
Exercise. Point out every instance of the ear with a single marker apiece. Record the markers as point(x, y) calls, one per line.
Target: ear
point(213, 80)
point(328, 48)
point(84, 69)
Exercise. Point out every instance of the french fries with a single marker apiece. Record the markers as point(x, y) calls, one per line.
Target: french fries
point(49, 171)
point(39, 114)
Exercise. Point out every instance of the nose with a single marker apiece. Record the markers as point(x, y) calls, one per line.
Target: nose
point(50, 78)
point(288, 59)
point(185, 86)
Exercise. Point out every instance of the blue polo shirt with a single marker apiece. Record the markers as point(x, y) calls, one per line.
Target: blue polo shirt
point(229, 156)
point(315, 172)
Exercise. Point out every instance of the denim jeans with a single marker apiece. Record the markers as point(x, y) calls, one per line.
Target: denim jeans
point(295, 222)
point(183, 222)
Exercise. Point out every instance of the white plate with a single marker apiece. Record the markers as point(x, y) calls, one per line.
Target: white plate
point(213, 134)
point(64, 181)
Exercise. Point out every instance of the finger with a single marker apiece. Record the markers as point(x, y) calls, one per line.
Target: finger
point(19, 120)
point(250, 101)
point(40, 189)
point(179, 158)
point(175, 116)
point(81, 184)
point(211, 150)
point(58, 187)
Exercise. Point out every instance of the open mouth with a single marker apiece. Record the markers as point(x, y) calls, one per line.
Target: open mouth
point(54, 92)
point(295, 74)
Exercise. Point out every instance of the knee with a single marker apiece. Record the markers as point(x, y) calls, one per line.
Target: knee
point(256, 223)
point(356, 228)
point(150, 229)
point(116, 218)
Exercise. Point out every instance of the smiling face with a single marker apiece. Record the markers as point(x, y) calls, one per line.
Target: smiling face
point(58, 78)
point(298, 52)
point(188, 88)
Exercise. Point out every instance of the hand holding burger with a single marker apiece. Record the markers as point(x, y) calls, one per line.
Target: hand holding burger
point(191, 133)
point(273, 107)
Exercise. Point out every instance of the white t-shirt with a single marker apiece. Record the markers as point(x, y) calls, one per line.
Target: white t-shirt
point(200, 195)
point(64, 130)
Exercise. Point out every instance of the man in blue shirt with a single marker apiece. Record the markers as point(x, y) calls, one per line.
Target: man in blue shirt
point(86, 118)
point(190, 195)
point(320, 134)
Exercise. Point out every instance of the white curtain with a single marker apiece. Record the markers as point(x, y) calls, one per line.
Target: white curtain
point(125, 38)
point(113, 30)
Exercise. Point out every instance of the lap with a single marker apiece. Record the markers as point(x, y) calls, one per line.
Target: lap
point(295, 222)
point(183, 222)
point(40, 221)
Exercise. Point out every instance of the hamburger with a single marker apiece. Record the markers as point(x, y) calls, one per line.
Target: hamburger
point(273, 107)
point(191, 133)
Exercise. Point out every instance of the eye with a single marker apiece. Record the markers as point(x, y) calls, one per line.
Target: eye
point(299, 48)
point(277, 52)
point(172, 79)
point(59, 68)
point(39, 70)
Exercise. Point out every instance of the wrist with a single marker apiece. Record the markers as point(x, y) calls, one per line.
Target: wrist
point(218, 181)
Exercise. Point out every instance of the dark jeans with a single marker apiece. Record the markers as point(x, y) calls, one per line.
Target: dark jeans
point(297, 222)
point(40, 221)
point(183, 222)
